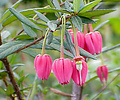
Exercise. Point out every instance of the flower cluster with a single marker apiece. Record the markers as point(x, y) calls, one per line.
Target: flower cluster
point(65, 69)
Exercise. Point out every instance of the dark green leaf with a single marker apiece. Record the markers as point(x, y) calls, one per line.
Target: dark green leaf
point(31, 11)
point(50, 3)
point(49, 38)
point(76, 20)
point(10, 90)
point(10, 47)
point(28, 30)
point(3, 73)
point(42, 17)
point(118, 86)
point(30, 52)
point(86, 20)
point(76, 5)
point(51, 25)
point(89, 6)
point(23, 19)
point(95, 13)
point(57, 47)
point(7, 13)
point(99, 26)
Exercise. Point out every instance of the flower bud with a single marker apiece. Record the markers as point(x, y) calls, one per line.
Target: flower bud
point(102, 72)
point(62, 69)
point(43, 66)
point(93, 42)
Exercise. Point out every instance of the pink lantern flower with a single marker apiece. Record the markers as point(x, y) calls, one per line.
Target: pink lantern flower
point(62, 69)
point(93, 42)
point(79, 70)
point(80, 38)
point(43, 66)
point(102, 72)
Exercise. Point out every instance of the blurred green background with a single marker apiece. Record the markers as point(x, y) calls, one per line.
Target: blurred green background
point(111, 36)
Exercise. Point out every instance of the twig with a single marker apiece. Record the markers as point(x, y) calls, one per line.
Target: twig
point(81, 89)
point(32, 43)
point(61, 93)
point(105, 87)
point(18, 34)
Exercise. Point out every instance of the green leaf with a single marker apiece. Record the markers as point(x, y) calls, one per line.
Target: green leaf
point(51, 25)
point(118, 86)
point(86, 54)
point(23, 37)
point(49, 38)
point(69, 42)
point(30, 52)
point(95, 13)
point(7, 13)
point(10, 90)
point(50, 3)
point(89, 6)
point(3, 73)
point(10, 47)
point(68, 6)
point(28, 30)
point(76, 20)
point(57, 47)
point(110, 0)
point(86, 20)
point(22, 18)
point(99, 26)
point(28, 12)
point(76, 5)
point(42, 17)
point(56, 4)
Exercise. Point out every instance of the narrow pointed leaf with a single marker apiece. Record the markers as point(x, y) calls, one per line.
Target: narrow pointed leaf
point(23, 19)
point(68, 6)
point(50, 3)
point(76, 5)
point(99, 26)
point(51, 25)
point(95, 13)
point(86, 20)
point(89, 6)
point(10, 47)
point(29, 30)
point(30, 52)
point(56, 4)
point(28, 12)
point(69, 42)
point(49, 38)
point(76, 20)
point(110, 0)
point(7, 13)
point(42, 17)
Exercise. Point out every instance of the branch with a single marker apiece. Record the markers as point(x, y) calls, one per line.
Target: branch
point(10, 74)
point(32, 43)
point(105, 86)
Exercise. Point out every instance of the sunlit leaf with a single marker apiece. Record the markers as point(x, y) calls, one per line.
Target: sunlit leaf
point(76, 5)
point(89, 6)
point(95, 13)
point(51, 25)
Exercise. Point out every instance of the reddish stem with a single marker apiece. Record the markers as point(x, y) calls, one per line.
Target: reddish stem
point(85, 28)
point(90, 28)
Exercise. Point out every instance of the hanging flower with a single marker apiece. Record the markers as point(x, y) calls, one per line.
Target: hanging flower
point(62, 69)
point(93, 42)
point(102, 72)
point(79, 70)
point(43, 66)
point(80, 38)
